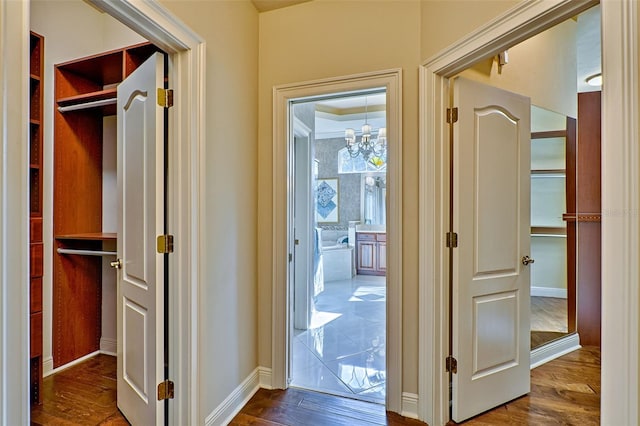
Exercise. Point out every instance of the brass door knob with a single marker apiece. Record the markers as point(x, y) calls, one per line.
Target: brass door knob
point(117, 264)
point(526, 260)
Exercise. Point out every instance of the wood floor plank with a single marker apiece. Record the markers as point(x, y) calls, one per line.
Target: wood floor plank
point(84, 394)
point(565, 391)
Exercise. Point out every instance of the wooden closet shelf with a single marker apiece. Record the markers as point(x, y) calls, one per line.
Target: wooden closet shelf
point(88, 100)
point(549, 134)
point(87, 252)
point(89, 236)
point(34, 77)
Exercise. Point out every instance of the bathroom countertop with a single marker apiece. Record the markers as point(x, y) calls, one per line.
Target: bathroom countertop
point(375, 229)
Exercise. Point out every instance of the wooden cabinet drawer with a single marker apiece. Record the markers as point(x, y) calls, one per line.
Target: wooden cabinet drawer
point(35, 295)
point(36, 334)
point(364, 236)
point(36, 260)
point(381, 237)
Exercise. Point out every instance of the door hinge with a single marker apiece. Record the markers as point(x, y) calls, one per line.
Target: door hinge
point(165, 390)
point(452, 365)
point(165, 244)
point(165, 97)
point(452, 115)
point(290, 257)
point(452, 239)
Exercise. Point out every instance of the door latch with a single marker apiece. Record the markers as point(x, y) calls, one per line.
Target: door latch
point(116, 264)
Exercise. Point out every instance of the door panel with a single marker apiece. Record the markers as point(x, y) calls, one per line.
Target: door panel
point(141, 219)
point(490, 294)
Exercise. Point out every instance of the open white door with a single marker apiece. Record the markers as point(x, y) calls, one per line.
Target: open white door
point(141, 220)
point(491, 215)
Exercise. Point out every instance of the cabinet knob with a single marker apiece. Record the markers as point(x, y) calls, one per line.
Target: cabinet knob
point(526, 260)
point(117, 264)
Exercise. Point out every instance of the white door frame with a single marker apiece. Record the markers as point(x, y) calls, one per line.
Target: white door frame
point(186, 184)
point(620, 201)
point(282, 198)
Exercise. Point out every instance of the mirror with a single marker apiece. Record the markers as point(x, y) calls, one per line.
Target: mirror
point(373, 198)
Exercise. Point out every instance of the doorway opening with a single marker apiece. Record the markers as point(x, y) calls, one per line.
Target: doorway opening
point(549, 176)
point(338, 341)
point(116, 35)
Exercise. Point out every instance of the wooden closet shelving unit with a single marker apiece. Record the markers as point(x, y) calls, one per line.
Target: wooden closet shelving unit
point(35, 210)
point(85, 92)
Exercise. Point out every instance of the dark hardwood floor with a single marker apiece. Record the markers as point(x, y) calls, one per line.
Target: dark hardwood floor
point(564, 391)
point(84, 394)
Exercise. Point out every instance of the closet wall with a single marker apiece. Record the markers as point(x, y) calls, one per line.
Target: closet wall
point(73, 30)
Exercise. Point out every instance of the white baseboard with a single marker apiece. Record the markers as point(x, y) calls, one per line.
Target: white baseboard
point(108, 346)
point(71, 364)
point(560, 293)
point(409, 405)
point(47, 366)
point(264, 374)
point(554, 350)
point(233, 403)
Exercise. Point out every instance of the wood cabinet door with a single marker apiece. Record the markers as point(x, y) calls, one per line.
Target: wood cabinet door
point(366, 256)
point(382, 257)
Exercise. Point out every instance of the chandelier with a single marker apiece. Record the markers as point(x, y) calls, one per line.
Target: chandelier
point(371, 149)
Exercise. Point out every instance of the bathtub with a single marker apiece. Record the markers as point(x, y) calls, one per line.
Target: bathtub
point(337, 261)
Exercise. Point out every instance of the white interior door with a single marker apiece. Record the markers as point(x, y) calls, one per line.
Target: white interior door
point(303, 234)
point(491, 214)
point(141, 220)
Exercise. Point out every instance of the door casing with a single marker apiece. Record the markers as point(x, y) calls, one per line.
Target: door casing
point(391, 80)
point(620, 231)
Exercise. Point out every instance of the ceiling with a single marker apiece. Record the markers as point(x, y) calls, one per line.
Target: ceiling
point(267, 5)
point(588, 48)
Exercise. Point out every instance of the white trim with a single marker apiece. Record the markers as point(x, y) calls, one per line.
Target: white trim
point(558, 293)
point(620, 207)
point(555, 349)
point(620, 336)
point(232, 404)
point(14, 213)
point(108, 346)
point(265, 377)
point(73, 363)
point(47, 366)
point(392, 80)
point(409, 405)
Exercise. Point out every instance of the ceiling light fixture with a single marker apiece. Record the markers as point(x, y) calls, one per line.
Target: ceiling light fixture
point(370, 149)
point(595, 80)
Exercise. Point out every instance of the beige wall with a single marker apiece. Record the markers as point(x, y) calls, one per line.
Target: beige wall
point(227, 298)
point(542, 68)
point(327, 38)
point(446, 21)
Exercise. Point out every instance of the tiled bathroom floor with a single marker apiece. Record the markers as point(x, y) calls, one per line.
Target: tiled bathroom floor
point(343, 352)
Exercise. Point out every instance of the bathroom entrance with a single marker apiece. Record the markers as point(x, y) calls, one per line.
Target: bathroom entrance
point(338, 337)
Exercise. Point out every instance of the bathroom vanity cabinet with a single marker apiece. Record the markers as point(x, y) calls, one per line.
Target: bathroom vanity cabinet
point(371, 253)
